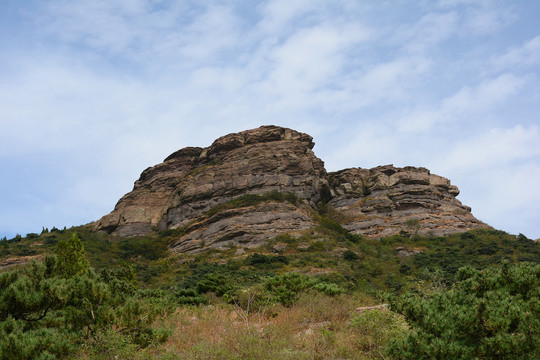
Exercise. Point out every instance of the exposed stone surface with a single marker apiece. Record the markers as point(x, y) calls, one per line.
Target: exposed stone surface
point(246, 227)
point(193, 180)
point(374, 202)
point(144, 207)
point(386, 200)
point(19, 260)
point(402, 251)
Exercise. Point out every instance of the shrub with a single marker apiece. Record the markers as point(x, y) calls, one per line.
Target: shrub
point(343, 234)
point(188, 297)
point(287, 288)
point(146, 247)
point(17, 342)
point(216, 283)
point(413, 226)
point(489, 314)
point(261, 259)
point(329, 289)
point(48, 308)
point(376, 327)
point(350, 255)
point(254, 199)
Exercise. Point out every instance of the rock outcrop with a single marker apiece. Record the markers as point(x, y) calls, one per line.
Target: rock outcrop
point(181, 193)
point(19, 260)
point(191, 181)
point(387, 200)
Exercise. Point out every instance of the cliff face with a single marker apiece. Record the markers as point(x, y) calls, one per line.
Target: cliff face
point(183, 190)
point(386, 200)
point(191, 181)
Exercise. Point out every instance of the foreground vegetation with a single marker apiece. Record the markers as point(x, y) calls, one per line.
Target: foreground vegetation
point(88, 295)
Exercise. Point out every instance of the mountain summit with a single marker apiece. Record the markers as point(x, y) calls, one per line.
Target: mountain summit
point(251, 186)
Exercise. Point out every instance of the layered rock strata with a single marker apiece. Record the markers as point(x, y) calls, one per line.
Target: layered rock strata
point(179, 193)
point(193, 180)
point(387, 200)
point(245, 227)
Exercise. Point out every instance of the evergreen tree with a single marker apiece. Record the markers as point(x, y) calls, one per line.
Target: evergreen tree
point(71, 257)
point(489, 314)
point(47, 309)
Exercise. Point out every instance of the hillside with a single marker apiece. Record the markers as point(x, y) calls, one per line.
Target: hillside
point(291, 297)
point(249, 249)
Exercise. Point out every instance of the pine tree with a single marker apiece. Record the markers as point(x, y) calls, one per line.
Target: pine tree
point(71, 257)
point(488, 314)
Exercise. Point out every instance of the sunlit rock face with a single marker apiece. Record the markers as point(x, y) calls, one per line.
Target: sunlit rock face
point(193, 180)
point(387, 200)
point(180, 192)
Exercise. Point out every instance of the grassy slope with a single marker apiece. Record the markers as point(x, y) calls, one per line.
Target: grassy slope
point(316, 325)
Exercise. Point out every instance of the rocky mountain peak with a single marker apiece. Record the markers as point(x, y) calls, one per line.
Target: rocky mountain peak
point(269, 166)
point(192, 180)
point(263, 134)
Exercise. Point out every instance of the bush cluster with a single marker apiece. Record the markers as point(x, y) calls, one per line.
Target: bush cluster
point(254, 199)
point(49, 308)
point(487, 314)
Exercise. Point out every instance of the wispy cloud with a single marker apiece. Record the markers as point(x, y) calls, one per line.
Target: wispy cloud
point(496, 148)
point(465, 106)
point(499, 169)
point(113, 87)
point(525, 55)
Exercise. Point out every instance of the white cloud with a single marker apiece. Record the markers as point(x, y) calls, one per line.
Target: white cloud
point(465, 105)
point(487, 19)
point(278, 14)
point(144, 33)
point(497, 172)
point(481, 17)
point(495, 149)
point(390, 80)
point(485, 96)
point(113, 87)
point(506, 197)
point(426, 33)
point(310, 59)
point(527, 54)
point(51, 99)
point(215, 31)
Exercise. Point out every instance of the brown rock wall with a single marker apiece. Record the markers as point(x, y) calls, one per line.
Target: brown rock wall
point(246, 227)
point(192, 180)
point(387, 200)
point(376, 202)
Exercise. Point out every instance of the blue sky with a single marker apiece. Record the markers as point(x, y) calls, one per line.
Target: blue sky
point(93, 92)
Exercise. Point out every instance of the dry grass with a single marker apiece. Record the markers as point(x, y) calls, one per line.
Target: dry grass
point(316, 327)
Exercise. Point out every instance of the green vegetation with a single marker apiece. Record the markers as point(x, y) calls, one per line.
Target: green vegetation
point(71, 258)
point(49, 308)
point(293, 297)
point(490, 314)
point(254, 199)
point(287, 288)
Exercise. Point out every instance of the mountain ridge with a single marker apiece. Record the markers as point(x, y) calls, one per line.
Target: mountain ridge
point(180, 192)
